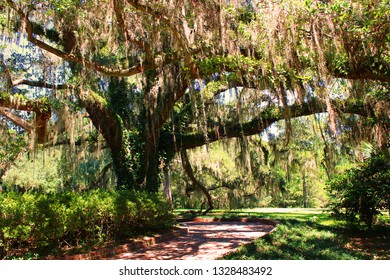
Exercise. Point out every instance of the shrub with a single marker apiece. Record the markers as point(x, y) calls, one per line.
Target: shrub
point(361, 193)
point(48, 221)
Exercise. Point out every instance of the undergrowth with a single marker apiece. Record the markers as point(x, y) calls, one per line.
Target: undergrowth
point(33, 225)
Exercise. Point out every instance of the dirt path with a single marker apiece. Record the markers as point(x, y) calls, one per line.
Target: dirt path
point(204, 241)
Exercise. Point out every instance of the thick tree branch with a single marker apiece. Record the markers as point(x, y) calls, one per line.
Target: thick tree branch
point(19, 103)
point(15, 119)
point(40, 107)
point(40, 84)
point(364, 73)
point(179, 142)
point(104, 119)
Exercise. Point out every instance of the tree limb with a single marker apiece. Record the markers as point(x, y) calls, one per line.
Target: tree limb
point(40, 84)
point(13, 83)
point(40, 107)
point(19, 103)
point(105, 121)
point(190, 173)
point(136, 69)
point(16, 119)
point(258, 124)
point(364, 73)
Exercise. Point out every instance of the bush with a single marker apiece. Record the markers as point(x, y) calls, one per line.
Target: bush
point(361, 193)
point(48, 221)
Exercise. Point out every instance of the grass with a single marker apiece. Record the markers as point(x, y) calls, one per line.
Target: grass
point(308, 234)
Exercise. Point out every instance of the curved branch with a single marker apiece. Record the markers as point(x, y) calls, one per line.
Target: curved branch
point(11, 83)
point(136, 69)
point(364, 73)
point(104, 119)
point(190, 173)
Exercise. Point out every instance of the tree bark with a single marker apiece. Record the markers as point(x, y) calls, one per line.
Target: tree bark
point(167, 186)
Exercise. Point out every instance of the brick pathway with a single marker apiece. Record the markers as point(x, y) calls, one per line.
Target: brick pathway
point(205, 240)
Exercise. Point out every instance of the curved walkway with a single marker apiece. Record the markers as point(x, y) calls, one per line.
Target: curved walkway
point(205, 240)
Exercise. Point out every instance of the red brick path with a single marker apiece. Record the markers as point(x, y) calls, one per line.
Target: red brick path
point(200, 239)
point(204, 241)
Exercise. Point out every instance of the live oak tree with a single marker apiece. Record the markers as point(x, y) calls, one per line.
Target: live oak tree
point(154, 76)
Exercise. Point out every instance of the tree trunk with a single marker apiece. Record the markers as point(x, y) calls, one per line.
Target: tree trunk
point(148, 175)
point(167, 186)
point(304, 189)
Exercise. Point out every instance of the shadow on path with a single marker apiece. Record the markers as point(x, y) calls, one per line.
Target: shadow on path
point(204, 241)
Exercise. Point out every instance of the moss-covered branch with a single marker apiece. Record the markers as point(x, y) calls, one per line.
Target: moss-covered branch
point(40, 107)
point(258, 124)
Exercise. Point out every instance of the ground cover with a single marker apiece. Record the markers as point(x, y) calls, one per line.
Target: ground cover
point(313, 234)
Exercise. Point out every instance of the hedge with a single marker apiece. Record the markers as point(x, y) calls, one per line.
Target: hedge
point(37, 221)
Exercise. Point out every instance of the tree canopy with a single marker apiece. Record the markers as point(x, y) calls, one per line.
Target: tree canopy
point(160, 77)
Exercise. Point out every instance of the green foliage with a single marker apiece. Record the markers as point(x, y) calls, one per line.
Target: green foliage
point(14, 143)
point(57, 169)
point(361, 193)
point(299, 237)
point(214, 64)
point(36, 172)
point(119, 100)
point(365, 23)
point(127, 172)
point(43, 222)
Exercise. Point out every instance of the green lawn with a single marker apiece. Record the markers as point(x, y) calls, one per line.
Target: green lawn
point(306, 234)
